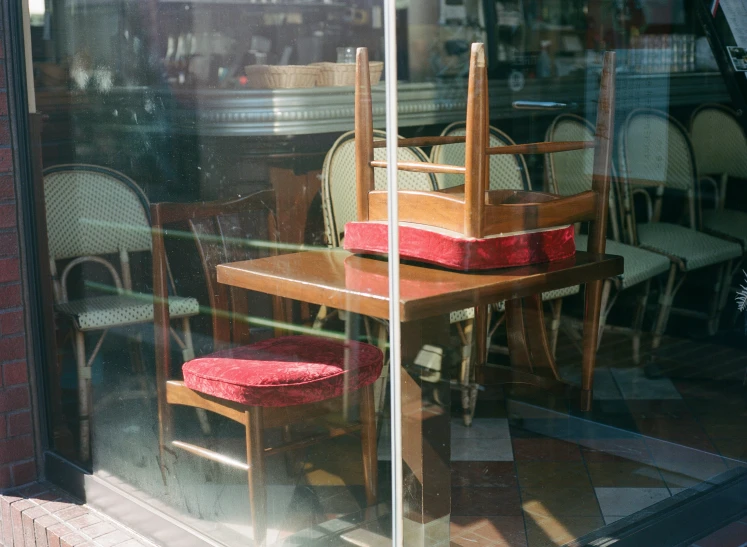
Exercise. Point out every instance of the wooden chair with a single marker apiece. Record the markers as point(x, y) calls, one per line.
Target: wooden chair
point(507, 172)
point(96, 215)
point(570, 173)
point(655, 153)
point(538, 225)
point(272, 383)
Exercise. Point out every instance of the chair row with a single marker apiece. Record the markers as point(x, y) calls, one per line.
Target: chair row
point(649, 249)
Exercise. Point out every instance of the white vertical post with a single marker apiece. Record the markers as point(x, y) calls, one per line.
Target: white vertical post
point(395, 352)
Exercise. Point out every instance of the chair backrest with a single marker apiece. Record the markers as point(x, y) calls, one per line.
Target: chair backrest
point(469, 211)
point(571, 173)
point(654, 151)
point(94, 210)
point(223, 231)
point(719, 141)
point(339, 188)
point(506, 172)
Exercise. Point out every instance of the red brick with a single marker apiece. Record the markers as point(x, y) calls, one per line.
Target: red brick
point(4, 130)
point(55, 532)
point(40, 529)
point(12, 348)
point(71, 540)
point(10, 296)
point(8, 217)
point(70, 512)
point(23, 473)
point(15, 373)
point(10, 270)
point(16, 448)
point(19, 423)
point(7, 190)
point(9, 244)
point(97, 530)
point(5, 481)
point(11, 322)
point(14, 398)
point(82, 521)
point(28, 517)
point(3, 427)
point(112, 538)
point(15, 514)
point(6, 155)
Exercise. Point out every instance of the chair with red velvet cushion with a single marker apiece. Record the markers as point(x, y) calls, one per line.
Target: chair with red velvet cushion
point(471, 227)
point(272, 383)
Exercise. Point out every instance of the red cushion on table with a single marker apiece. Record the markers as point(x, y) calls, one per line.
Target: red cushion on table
point(285, 371)
point(455, 251)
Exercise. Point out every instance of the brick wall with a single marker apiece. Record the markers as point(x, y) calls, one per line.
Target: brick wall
point(17, 463)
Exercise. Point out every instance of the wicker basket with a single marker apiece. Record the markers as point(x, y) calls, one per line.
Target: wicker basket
point(281, 77)
point(339, 74)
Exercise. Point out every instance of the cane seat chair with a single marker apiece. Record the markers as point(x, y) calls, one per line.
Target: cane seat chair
point(654, 152)
point(720, 148)
point(571, 173)
point(338, 208)
point(267, 384)
point(507, 172)
point(94, 214)
point(471, 227)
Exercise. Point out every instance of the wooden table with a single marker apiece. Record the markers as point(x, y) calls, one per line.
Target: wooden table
point(337, 279)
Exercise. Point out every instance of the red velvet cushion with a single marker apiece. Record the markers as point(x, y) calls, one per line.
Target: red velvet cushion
point(452, 250)
point(285, 371)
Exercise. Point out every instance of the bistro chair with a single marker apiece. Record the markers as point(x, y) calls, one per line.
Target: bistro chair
point(473, 228)
point(507, 172)
point(338, 208)
point(570, 173)
point(654, 152)
point(720, 148)
point(268, 384)
point(93, 215)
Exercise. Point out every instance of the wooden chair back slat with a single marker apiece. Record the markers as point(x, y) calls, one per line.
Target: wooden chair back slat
point(600, 182)
point(364, 142)
point(223, 231)
point(475, 178)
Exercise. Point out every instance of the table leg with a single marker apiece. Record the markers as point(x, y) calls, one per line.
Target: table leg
point(532, 361)
point(426, 446)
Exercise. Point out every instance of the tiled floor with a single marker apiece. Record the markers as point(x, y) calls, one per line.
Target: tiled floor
point(529, 482)
point(665, 434)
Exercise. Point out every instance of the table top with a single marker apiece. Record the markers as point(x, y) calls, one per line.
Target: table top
point(341, 280)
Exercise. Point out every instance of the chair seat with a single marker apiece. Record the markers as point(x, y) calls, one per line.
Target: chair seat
point(694, 249)
point(640, 264)
point(727, 222)
point(103, 312)
point(455, 251)
point(285, 371)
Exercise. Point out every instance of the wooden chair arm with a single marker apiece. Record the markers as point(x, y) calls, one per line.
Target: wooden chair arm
point(541, 147)
point(422, 167)
point(423, 141)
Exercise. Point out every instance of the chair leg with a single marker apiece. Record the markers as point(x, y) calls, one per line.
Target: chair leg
point(255, 459)
point(368, 444)
point(84, 392)
point(604, 310)
point(640, 313)
point(466, 371)
point(556, 307)
point(720, 296)
point(713, 308)
point(665, 306)
point(189, 354)
point(592, 316)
